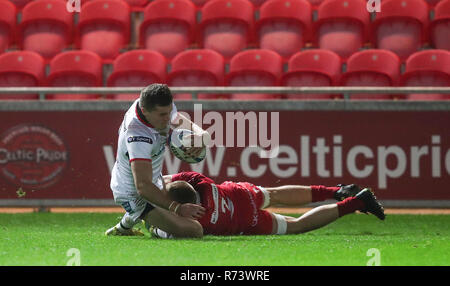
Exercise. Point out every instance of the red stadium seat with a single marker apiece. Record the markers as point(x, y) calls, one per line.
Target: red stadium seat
point(168, 26)
point(75, 69)
point(342, 26)
point(21, 69)
point(226, 26)
point(401, 26)
point(137, 5)
point(255, 68)
point(199, 3)
point(46, 27)
point(7, 24)
point(428, 68)
point(433, 2)
point(137, 68)
point(440, 27)
point(20, 3)
point(283, 26)
point(197, 68)
point(313, 68)
point(315, 3)
point(258, 3)
point(372, 68)
point(104, 27)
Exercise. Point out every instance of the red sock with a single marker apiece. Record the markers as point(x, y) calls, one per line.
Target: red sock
point(349, 205)
point(321, 193)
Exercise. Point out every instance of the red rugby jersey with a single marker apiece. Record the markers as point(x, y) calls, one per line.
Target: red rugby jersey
point(230, 207)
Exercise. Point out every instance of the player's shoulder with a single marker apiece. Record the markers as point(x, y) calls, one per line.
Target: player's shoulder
point(134, 125)
point(136, 133)
point(130, 116)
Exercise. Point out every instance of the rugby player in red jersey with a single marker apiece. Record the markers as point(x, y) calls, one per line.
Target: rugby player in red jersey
point(234, 208)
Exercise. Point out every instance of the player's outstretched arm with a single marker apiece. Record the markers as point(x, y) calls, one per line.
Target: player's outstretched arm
point(142, 174)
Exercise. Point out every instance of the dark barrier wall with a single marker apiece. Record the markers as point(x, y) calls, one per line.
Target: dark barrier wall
point(62, 153)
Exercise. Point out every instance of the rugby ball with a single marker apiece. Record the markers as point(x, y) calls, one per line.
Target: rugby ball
point(179, 142)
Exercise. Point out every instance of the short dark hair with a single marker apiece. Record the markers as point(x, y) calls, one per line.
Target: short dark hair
point(182, 192)
point(155, 94)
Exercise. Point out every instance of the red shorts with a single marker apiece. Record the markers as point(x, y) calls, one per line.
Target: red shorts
point(264, 224)
point(254, 220)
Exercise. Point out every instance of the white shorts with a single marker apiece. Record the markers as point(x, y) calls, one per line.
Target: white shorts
point(136, 207)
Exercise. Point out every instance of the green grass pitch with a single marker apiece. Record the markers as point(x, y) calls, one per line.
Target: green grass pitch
point(46, 238)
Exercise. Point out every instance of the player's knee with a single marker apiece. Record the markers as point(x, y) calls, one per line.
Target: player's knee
point(295, 228)
point(197, 230)
point(192, 230)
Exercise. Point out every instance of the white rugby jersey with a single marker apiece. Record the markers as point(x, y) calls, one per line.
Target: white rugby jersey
point(138, 140)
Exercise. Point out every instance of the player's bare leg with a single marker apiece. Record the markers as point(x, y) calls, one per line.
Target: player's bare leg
point(313, 219)
point(297, 195)
point(163, 219)
point(290, 195)
point(319, 217)
point(316, 218)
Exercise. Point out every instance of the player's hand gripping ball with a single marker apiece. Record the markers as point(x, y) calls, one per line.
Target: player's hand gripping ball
point(180, 142)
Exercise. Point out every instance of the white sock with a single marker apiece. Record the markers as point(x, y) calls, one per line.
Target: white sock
point(121, 228)
point(161, 233)
point(126, 223)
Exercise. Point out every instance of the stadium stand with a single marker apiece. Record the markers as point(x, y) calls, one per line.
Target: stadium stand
point(226, 26)
point(46, 27)
point(168, 26)
point(199, 67)
point(75, 68)
point(137, 68)
point(315, 3)
point(21, 68)
point(372, 68)
point(255, 68)
point(313, 68)
point(433, 2)
point(199, 3)
point(284, 26)
point(258, 3)
point(427, 68)
point(138, 5)
point(193, 42)
point(7, 24)
point(342, 26)
point(20, 3)
point(440, 26)
point(104, 28)
point(401, 26)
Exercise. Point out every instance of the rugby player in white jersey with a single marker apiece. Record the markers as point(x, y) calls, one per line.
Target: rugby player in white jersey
point(136, 179)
